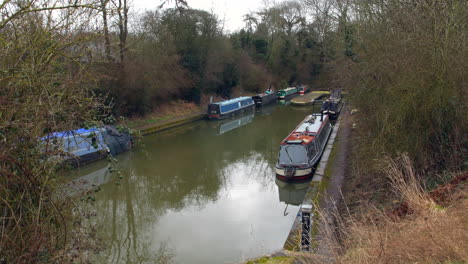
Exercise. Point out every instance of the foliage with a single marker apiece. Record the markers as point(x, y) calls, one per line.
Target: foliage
point(45, 84)
point(280, 39)
point(184, 54)
point(410, 58)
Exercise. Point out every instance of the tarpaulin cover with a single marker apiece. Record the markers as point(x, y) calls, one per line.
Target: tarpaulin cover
point(117, 141)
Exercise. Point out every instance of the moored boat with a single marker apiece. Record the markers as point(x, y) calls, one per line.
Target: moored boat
point(302, 148)
point(265, 98)
point(285, 93)
point(303, 89)
point(227, 108)
point(333, 105)
point(85, 145)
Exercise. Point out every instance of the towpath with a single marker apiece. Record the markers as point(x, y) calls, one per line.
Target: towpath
point(332, 196)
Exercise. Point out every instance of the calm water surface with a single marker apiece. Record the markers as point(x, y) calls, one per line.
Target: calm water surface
point(201, 193)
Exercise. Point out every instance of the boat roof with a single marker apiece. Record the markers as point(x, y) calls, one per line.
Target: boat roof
point(306, 131)
point(289, 88)
point(70, 132)
point(233, 100)
point(264, 94)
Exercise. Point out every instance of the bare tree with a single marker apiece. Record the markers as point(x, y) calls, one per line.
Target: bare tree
point(106, 29)
point(179, 4)
point(122, 9)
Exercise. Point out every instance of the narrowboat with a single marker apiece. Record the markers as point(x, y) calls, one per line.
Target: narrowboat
point(265, 98)
point(333, 105)
point(303, 89)
point(285, 93)
point(227, 108)
point(302, 148)
point(82, 146)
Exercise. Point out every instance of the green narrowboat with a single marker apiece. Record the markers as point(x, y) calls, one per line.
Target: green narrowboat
point(285, 93)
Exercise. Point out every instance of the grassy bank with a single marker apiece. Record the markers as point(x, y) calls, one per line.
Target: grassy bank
point(164, 113)
point(422, 227)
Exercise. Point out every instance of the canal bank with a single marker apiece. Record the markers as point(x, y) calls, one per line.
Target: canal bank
point(168, 124)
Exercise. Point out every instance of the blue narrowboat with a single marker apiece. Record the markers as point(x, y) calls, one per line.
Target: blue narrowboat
point(227, 108)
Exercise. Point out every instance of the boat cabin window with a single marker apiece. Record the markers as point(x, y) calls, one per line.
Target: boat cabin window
point(313, 149)
point(213, 109)
point(229, 107)
point(293, 155)
point(246, 102)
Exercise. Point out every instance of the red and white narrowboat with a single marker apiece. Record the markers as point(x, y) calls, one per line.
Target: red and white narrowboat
point(301, 150)
point(303, 89)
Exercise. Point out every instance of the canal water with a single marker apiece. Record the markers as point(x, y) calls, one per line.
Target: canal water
point(201, 193)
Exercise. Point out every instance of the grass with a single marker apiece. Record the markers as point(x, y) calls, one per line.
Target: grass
point(165, 112)
point(426, 232)
point(272, 260)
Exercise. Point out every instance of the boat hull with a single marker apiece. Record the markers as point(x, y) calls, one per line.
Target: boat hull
point(233, 113)
point(299, 174)
point(264, 99)
point(287, 97)
point(87, 158)
point(295, 178)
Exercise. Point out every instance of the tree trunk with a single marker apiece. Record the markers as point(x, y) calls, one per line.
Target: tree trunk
point(123, 28)
point(106, 30)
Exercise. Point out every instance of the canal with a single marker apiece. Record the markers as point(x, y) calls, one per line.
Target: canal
point(201, 193)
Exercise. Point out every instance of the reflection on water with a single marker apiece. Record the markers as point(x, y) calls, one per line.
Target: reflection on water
point(230, 125)
point(265, 110)
point(292, 193)
point(196, 196)
point(88, 181)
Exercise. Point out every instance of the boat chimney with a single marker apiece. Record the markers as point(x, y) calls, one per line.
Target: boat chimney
point(321, 115)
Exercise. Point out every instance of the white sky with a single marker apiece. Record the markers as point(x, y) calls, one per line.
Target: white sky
point(231, 11)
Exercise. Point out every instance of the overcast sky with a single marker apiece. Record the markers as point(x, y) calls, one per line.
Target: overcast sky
point(231, 11)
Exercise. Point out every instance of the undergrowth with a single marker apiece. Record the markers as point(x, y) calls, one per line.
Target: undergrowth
point(422, 228)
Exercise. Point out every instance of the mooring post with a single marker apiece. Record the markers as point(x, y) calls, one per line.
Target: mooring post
point(306, 210)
